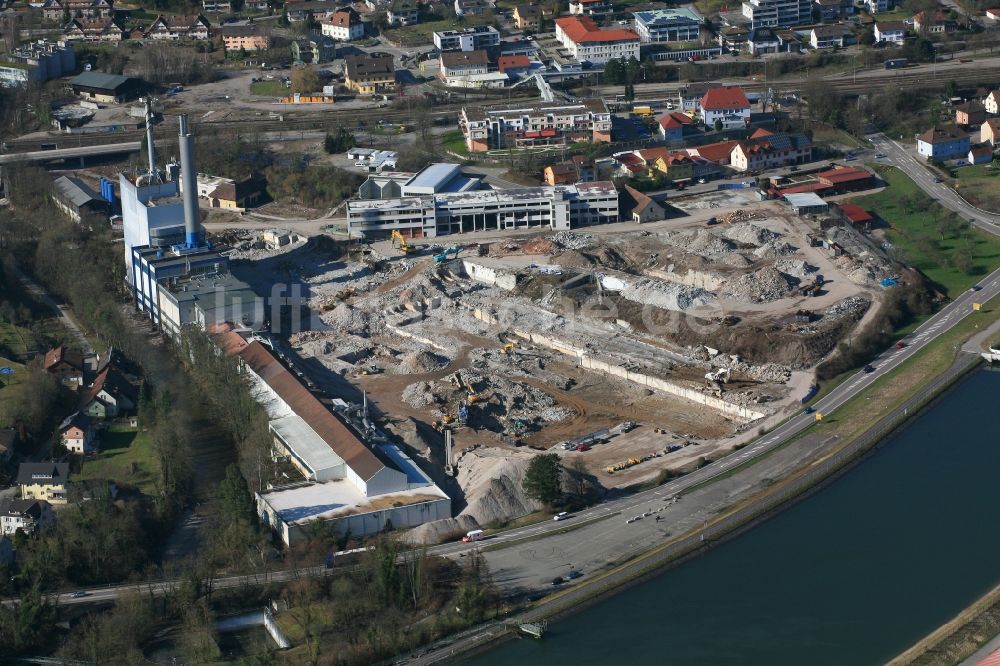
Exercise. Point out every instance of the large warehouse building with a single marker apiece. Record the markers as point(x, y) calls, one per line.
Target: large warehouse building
point(351, 480)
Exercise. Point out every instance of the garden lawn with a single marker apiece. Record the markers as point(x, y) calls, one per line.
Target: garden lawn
point(980, 185)
point(915, 230)
point(126, 457)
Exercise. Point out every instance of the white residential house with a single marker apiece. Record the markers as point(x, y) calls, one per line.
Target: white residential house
point(992, 103)
point(878, 6)
point(343, 25)
point(827, 37)
point(727, 104)
point(27, 515)
point(890, 32)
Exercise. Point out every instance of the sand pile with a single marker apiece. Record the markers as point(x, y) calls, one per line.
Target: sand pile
point(439, 531)
point(418, 362)
point(493, 479)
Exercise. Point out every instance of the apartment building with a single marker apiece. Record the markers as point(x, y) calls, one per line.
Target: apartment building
point(244, 38)
point(766, 150)
point(521, 126)
point(468, 39)
point(727, 104)
point(369, 74)
point(587, 41)
point(679, 24)
point(777, 12)
point(172, 28)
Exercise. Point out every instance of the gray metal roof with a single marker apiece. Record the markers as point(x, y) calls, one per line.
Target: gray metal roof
point(76, 191)
point(99, 80)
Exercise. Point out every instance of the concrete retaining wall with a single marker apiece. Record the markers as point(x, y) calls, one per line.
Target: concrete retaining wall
point(489, 275)
point(589, 362)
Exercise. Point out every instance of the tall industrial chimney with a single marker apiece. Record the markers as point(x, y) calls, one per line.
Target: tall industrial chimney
point(189, 183)
point(154, 175)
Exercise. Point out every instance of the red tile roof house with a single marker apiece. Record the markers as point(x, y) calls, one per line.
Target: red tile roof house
point(728, 104)
point(672, 125)
point(970, 113)
point(65, 364)
point(980, 154)
point(77, 434)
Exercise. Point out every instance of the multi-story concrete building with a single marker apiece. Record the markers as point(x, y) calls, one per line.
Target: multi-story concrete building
point(344, 25)
point(555, 123)
point(777, 12)
point(679, 24)
point(369, 74)
point(431, 206)
point(587, 41)
point(463, 64)
point(37, 62)
point(467, 39)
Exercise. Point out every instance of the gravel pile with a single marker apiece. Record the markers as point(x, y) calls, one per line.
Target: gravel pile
point(750, 234)
point(849, 307)
point(700, 242)
point(794, 267)
point(665, 295)
point(418, 395)
point(346, 319)
point(574, 241)
point(421, 361)
point(761, 286)
point(775, 248)
point(735, 260)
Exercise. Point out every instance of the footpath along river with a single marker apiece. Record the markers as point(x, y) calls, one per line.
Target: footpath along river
point(852, 575)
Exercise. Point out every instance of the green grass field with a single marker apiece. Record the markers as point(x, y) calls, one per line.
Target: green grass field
point(269, 89)
point(980, 185)
point(9, 387)
point(419, 34)
point(454, 141)
point(916, 229)
point(126, 457)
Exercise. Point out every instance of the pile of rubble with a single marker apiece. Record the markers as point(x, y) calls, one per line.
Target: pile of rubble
point(418, 362)
point(571, 240)
point(854, 306)
point(794, 267)
point(762, 286)
point(738, 215)
point(665, 295)
point(750, 234)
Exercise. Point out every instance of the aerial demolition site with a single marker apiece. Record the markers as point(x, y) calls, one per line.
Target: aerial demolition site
point(627, 350)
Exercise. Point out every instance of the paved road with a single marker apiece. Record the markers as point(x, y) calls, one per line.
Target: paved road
point(39, 294)
point(900, 157)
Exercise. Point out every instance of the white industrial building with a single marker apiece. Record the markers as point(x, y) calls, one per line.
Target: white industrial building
point(37, 62)
point(441, 200)
point(772, 13)
point(675, 24)
point(467, 39)
point(587, 41)
point(352, 479)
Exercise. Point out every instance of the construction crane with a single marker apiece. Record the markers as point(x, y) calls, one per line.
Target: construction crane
point(453, 250)
point(400, 239)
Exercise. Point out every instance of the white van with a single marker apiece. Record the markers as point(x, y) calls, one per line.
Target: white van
point(474, 535)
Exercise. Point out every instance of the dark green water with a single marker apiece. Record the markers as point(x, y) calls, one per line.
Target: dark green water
point(853, 575)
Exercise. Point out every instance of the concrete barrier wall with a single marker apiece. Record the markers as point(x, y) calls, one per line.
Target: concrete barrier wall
point(489, 275)
point(590, 363)
point(406, 334)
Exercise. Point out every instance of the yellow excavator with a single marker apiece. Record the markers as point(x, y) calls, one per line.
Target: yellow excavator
point(399, 240)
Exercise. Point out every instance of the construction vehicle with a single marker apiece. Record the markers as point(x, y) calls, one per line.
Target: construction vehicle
point(399, 240)
point(508, 348)
point(442, 257)
point(473, 398)
point(370, 370)
point(617, 467)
